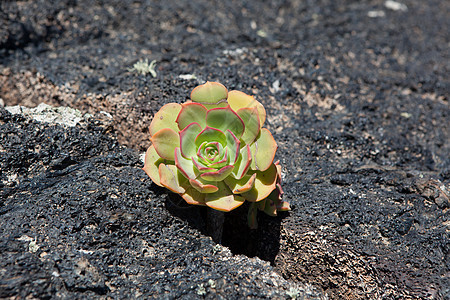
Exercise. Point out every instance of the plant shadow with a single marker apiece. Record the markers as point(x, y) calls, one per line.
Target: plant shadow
point(263, 242)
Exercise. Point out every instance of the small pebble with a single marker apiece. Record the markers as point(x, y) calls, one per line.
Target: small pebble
point(396, 6)
point(376, 14)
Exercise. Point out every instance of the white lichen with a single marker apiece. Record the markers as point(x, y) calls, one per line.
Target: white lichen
point(293, 293)
point(54, 115)
point(217, 248)
point(212, 283)
point(33, 246)
point(201, 291)
point(143, 67)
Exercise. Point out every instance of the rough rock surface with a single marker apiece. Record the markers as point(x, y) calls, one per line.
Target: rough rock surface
point(357, 98)
point(79, 218)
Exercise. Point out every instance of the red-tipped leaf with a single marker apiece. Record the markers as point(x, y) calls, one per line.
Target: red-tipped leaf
point(165, 141)
point(224, 118)
point(165, 118)
point(187, 139)
point(203, 188)
point(191, 113)
point(218, 175)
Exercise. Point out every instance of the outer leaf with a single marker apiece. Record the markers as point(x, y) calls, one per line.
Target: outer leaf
point(223, 199)
point(192, 196)
point(250, 117)
point(242, 185)
point(277, 194)
point(270, 208)
point(210, 135)
point(242, 164)
point(151, 164)
point(233, 146)
point(187, 139)
point(165, 118)
point(191, 113)
point(265, 183)
point(218, 105)
point(238, 100)
point(277, 164)
point(218, 175)
point(261, 204)
point(165, 141)
point(209, 93)
point(185, 166)
point(283, 206)
point(171, 179)
point(225, 118)
point(203, 188)
point(263, 150)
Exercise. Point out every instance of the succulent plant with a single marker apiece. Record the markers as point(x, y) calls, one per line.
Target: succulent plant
point(214, 151)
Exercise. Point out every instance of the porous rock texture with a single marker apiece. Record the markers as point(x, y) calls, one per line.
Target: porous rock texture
point(357, 98)
point(81, 219)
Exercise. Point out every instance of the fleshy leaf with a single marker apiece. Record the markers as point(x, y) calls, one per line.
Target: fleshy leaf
point(277, 194)
point(265, 183)
point(192, 196)
point(191, 113)
point(186, 166)
point(151, 164)
point(222, 162)
point(283, 206)
point(277, 163)
point(251, 120)
point(263, 150)
point(261, 204)
point(223, 199)
point(210, 152)
point(209, 93)
point(187, 139)
point(200, 166)
point(233, 146)
point(238, 100)
point(210, 135)
point(242, 185)
point(225, 118)
point(203, 188)
point(270, 208)
point(165, 118)
point(200, 156)
point(218, 175)
point(171, 178)
point(218, 105)
point(165, 141)
point(242, 164)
